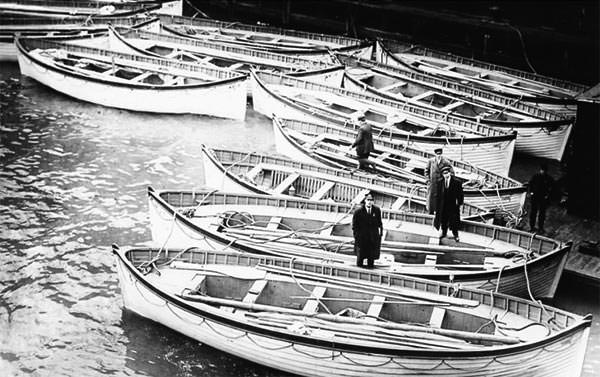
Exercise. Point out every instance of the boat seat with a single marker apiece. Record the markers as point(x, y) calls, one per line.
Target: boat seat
point(398, 203)
point(235, 66)
point(327, 230)
point(274, 223)
point(141, 77)
point(323, 190)
point(112, 71)
point(452, 106)
point(383, 156)
point(286, 183)
point(254, 172)
point(437, 317)
point(360, 196)
point(173, 54)
point(393, 86)
point(312, 305)
point(199, 284)
point(430, 260)
point(255, 291)
point(375, 308)
point(177, 80)
point(421, 96)
point(317, 139)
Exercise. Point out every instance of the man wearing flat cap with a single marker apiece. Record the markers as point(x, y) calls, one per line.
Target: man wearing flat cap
point(450, 198)
point(363, 143)
point(433, 172)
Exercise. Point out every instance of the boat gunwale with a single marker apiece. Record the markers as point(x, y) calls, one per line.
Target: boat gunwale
point(514, 187)
point(450, 87)
point(307, 64)
point(523, 96)
point(307, 340)
point(207, 22)
point(212, 154)
point(557, 249)
point(137, 86)
point(489, 122)
point(398, 137)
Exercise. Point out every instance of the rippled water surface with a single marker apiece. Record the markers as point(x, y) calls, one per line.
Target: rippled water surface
point(73, 180)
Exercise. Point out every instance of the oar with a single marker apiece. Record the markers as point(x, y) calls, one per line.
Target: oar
point(465, 335)
point(359, 333)
point(373, 286)
point(430, 248)
point(370, 301)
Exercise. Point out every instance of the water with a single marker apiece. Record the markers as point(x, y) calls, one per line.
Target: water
point(73, 180)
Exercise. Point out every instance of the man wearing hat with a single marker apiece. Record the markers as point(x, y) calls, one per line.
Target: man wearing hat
point(540, 190)
point(433, 172)
point(364, 143)
point(450, 198)
point(367, 230)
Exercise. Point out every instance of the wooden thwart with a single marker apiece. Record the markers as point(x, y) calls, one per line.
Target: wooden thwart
point(375, 308)
point(312, 305)
point(255, 291)
point(286, 183)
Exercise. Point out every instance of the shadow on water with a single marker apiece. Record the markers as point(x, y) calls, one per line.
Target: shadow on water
point(153, 349)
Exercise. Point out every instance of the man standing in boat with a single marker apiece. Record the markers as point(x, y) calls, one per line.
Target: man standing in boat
point(364, 143)
point(450, 198)
point(433, 173)
point(367, 229)
point(540, 190)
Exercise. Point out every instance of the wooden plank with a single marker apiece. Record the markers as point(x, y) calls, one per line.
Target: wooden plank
point(312, 305)
point(430, 260)
point(452, 105)
point(235, 66)
point(375, 308)
point(324, 189)
point(360, 196)
point(274, 223)
point(399, 203)
point(393, 86)
point(254, 172)
point(286, 183)
point(141, 77)
point(255, 291)
point(383, 156)
point(437, 317)
point(199, 282)
point(422, 95)
point(327, 230)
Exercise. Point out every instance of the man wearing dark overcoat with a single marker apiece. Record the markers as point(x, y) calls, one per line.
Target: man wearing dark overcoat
point(450, 198)
point(364, 144)
point(433, 173)
point(367, 229)
point(540, 190)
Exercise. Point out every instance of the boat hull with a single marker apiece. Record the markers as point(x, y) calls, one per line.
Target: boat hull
point(508, 201)
point(493, 154)
point(562, 355)
point(204, 100)
point(540, 277)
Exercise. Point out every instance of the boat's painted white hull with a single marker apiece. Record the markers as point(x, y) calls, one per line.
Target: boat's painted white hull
point(541, 277)
point(542, 142)
point(495, 157)
point(226, 100)
point(215, 178)
point(172, 8)
point(563, 357)
point(489, 199)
